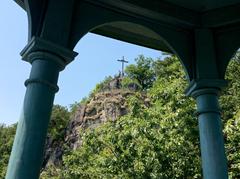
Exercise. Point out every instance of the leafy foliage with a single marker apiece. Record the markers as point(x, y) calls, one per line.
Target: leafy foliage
point(103, 85)
point(142, 71)
point(128, 82)
point(159, 140)
point(59, 120)
point(52, 172)
point(6, 141)
point(156, 142)
point(230, 101)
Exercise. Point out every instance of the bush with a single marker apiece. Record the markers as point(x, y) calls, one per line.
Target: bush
point(128, 83)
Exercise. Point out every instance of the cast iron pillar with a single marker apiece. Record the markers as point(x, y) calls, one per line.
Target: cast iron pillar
point(47, 61)
point(214, 162)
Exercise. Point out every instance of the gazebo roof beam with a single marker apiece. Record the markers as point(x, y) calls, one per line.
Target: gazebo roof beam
point(221, 16)
point(170, 13)
point(162, 11)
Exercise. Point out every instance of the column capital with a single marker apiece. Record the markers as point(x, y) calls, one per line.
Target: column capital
point(40, 47)
point(202, 86)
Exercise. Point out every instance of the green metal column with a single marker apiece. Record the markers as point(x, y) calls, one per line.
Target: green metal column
point(204, 87)
point(27, 153)
point(214, 162)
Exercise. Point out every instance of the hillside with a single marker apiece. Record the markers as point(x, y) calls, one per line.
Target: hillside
point(108, 105)
point(139, 126)
point(157, 137)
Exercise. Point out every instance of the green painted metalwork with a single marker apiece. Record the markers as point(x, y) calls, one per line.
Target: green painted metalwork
point(203, 34)
point(214, 162)
point(26, 157)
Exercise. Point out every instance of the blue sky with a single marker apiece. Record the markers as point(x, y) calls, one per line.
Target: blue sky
point(97, 58)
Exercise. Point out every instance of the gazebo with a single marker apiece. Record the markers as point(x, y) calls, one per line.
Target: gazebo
point(204, 34)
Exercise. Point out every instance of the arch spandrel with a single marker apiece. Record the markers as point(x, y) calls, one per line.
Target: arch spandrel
point(79, 18)
point(140, 31)
point(227, 43)
point(49, 20)
point(35, 13)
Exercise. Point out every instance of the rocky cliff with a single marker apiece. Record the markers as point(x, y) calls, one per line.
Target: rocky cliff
point(106, 105)
point(103, 107)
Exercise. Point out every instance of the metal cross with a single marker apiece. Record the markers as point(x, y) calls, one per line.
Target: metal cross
point(123, 61)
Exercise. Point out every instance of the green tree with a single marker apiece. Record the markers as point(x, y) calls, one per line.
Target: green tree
point(142, 71)
point(127, 83)
point(156, 142)
point(102, 86)
point(230, 101)
point(59, 119)
point(160, 141)
point(6, 140)
point(58, 122)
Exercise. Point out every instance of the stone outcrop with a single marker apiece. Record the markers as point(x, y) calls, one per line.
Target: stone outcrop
point(104, 106)
point(107, 105)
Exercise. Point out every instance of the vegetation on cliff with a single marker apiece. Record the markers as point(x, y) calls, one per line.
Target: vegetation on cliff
point(157, 138)
point(6, 140)
point(160, 141)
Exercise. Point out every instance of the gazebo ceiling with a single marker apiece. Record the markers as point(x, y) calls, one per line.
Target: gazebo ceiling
point(178, 14)
point(196, 5)
point(202, 5)
point(204, 34)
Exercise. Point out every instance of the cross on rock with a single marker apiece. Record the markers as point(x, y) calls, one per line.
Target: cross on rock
point(122, 61)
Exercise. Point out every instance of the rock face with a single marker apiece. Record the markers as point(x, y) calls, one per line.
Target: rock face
point(107, 105)
point(53, 153)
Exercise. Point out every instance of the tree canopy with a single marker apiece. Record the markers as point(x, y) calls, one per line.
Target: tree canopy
point(158, 140)
point(142, 71)
point(6, 140)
